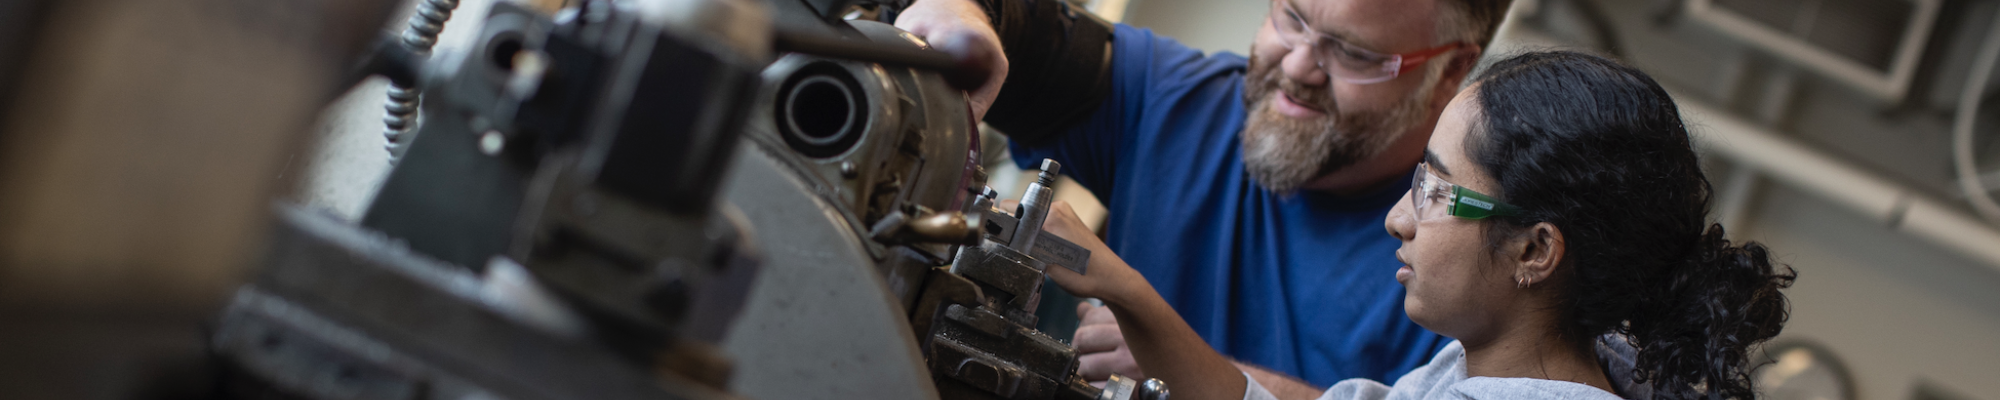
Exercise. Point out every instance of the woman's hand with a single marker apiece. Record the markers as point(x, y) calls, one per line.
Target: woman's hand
point(1157, 339)
point(1108, 277)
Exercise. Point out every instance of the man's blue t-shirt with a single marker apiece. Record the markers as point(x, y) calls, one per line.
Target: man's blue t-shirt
point(1302, 284)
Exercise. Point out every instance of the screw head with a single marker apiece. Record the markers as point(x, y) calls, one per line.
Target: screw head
point(492, 142)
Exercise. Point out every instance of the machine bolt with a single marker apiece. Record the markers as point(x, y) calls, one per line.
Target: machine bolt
point(1152, 389)
point(492, 142)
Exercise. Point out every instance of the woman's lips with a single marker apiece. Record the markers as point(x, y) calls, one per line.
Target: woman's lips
point(1403, 274)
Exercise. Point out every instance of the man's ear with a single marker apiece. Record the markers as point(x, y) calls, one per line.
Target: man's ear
point(1464, 59)
point(1457, 69)
point(1538, 251)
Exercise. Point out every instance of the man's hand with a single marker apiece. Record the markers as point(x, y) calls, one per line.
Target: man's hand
point(1100, 347)
point(961, 28)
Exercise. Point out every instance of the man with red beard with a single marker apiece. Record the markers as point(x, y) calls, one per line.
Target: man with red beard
point(1249, 192)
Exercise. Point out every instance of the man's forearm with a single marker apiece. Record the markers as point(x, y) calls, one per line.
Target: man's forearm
point(1059, 65)
point(1167, 349)
point(1284, 387)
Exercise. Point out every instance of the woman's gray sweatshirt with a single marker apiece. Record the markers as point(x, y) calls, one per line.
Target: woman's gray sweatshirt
point(1444, 378)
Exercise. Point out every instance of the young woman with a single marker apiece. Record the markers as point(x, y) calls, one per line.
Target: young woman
point(1557, 223)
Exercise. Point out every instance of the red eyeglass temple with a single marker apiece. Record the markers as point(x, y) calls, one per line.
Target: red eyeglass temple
point(1414, 59)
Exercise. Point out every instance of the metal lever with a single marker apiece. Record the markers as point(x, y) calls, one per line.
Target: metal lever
point(963, 74)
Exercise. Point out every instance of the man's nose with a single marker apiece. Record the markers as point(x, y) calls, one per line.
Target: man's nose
point(1302, 67)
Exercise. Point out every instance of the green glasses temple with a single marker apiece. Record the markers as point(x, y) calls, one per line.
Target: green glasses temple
point(1474, 205)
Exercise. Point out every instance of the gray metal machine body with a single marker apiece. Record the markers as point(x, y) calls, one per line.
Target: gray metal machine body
point(880, 143)
point(886, 156)
point(834, 147)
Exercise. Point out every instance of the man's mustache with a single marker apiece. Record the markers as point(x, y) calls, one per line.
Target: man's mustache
point(1318, 98)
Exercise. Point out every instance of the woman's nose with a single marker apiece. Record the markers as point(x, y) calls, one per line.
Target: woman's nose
point(1401, 222)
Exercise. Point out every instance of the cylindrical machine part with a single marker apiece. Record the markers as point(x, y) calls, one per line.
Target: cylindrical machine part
point(1034, 209)
point(822, 111)
point(829, 115)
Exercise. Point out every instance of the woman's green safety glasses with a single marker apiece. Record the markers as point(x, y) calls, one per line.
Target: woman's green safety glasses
point(1428, 192)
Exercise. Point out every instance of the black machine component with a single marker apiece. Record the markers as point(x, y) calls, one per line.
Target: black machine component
point(582, 97)
point(1059, 66)
point(551, 233)
point(340, 312)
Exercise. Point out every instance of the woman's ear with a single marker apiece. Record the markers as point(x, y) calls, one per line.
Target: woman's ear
point(1541, 250)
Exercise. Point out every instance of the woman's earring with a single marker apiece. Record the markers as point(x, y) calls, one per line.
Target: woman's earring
point(1521, 283)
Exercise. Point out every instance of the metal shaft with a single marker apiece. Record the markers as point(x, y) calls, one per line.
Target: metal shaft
point(1034, 209)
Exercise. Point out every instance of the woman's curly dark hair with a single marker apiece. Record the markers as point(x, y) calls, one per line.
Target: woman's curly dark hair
point(1598, 149)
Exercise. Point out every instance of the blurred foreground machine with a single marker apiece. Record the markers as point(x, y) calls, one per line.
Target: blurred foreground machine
point(140, 144)
point(552, 233)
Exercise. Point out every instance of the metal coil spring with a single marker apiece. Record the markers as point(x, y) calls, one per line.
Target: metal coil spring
point(401, 113)
point(401, 107)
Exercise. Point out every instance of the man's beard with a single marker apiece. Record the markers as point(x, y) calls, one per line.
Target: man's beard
point(1284, 153)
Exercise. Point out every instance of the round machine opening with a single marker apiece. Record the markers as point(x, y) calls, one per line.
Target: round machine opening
point(821, 110)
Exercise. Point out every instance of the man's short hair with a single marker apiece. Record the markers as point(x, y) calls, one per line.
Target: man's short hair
point(1471, 21)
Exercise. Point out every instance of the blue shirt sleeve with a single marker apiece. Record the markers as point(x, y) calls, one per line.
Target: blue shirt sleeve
point(1146, 69)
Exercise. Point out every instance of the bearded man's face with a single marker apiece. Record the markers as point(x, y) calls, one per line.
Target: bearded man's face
point(1283, 151)
point(1303, 124)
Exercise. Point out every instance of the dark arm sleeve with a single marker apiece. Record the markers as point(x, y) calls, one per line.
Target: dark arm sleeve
point(1059, 62)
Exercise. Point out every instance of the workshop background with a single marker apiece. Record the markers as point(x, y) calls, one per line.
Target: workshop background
point(1827, 125)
